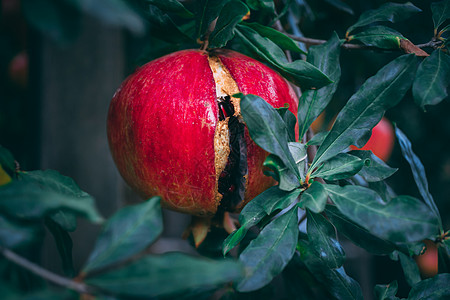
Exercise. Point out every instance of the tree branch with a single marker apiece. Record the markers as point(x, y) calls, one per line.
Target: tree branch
point(52, 277)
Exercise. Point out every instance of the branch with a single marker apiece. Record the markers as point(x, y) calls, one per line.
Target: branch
point(38, 270)
point(310, 41)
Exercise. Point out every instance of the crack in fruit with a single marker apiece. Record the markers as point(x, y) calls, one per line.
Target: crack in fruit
point(231, 178)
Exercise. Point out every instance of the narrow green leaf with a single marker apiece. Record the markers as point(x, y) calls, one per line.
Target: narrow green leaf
point(126, 233)
point(264, 204)
point(171, 6)
point(366, 108)
point(15, 235)
point(25, 199)
point(432, 79)
point(267, 255)
point(231, 14)
point(388, 12)
point(64, 245)
point(314, 198)
point(166, 275)
point(206, 12)
point(441, 12)
point(374, 168)
point(282, 40)
point(433, 288)
point(403, 219)
point(317, 138)
point(410, 269)
point(386, 291)
point(312, 102)
point(418, 172)
point(378, 36)
point(299, 71)
point(290, 120)
point(341, 166)
point(336, 281)
point(358, 234)
point(267, 129)
point(322, 235)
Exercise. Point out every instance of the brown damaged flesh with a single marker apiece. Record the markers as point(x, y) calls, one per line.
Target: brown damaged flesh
point(229, 143)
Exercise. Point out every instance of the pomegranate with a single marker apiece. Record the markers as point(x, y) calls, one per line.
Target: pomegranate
point(382, 140)
point(175, 129)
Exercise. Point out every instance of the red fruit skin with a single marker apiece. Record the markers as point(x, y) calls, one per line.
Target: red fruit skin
point(161, 126)
point(428, 261)
point(381, 141)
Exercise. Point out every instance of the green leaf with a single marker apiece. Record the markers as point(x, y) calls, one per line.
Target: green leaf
point(299, 71)
point(314, 198)
point(388, 12)
point(339, 167)
point(386, 291)
point(25, 199)
point(163, 27)
point(441, 12)
point(7, 161)
point(378, 36)
point(358, 234)
point(317, 139)
point(432, 79)
point(336, 281)
point(410, 269)
point(15, 235)
point(171, 6)
point(166, 275)
point(206, 12)
point(128, 232)
point(418, 172)
point(268, 254)
point(267, 129)
point(312, 102)
point(286, 178)
point(64, 245)
point(231, 14)
point(282, 40)
point(366, 108)
point(403, 219)
point(55, 19)
point(433, 288)
point(266, 5)
point(322, 235)
point(374, 168)
point(290, 120)
point(53, 181)
point(264, 204)
point(114, 12)
point(383, 190)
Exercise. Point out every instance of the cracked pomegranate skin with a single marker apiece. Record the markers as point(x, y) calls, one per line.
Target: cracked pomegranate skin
point(162, 122)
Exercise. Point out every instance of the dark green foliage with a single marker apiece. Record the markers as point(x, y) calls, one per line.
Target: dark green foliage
point(342, 195)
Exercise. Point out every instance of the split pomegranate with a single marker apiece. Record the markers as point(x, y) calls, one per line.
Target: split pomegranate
point(175, 129)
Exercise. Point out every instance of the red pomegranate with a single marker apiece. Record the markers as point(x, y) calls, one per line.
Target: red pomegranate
point(382, 140)
point(175, 129)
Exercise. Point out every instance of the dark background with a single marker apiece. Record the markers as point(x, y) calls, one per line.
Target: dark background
point(55, 88)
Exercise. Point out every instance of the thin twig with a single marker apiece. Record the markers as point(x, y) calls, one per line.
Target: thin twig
point(38, 270)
